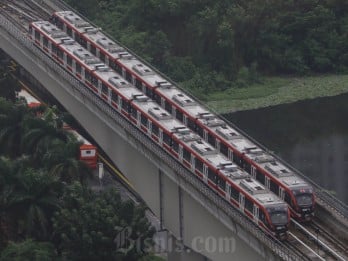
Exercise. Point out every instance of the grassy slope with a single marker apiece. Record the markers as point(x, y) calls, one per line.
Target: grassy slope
point(277, 90)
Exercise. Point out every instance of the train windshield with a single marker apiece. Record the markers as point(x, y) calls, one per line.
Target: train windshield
point(304, 199)
point(279, 217)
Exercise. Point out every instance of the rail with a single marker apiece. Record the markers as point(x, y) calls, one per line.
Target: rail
point(277, 247)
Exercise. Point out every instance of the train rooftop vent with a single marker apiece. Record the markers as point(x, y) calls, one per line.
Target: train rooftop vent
point(140, 97)
point(265, 198)
point(206, 116)
point(164, 84)
point(253, 150)
point(82, 54)
point(227, 133)
point(81, 24)
point(214, 122)
point(159, 114)
point(189, 137)
point(183, 100)
point(102, 68)
point(236, 174)
point(71, 17)
point(142, 69)
point(92, 60)
point(263, 158)
point(278, 170)
point(181, 130)
point(203, 148)
point(91, 30)
point(58, 34)
point(125, 55)
point(67, 41)
point(115, 49)
point(118, 82)
point(106, 42)
point(252, 186)
point(227, 165)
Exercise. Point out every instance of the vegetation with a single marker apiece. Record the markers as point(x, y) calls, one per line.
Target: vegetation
point(46, 210)
point(220, 47)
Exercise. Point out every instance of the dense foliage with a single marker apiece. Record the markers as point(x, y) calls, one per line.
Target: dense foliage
point(226, 43)
point(47, 211)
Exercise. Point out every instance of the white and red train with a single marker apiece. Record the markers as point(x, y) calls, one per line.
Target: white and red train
point(214, 169)
point(87, 153)
point(261, 165)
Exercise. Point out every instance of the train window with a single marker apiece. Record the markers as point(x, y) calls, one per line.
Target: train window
point(69, 31)
point(143, 120)
point(287, 198)
point(157, 98)
point(179, 115)
point(125, 105)
point(59, 23)
point(191, 124)
point(155, 129)
point(211, 139)
point(78, 68)
point(224, 149)
point(69, 60)
point(199, 165)
point(176, 146)
point(83, 42)
point(260, 177)
point(77, 38)
point(104, 89)
point(248, 205)
point(149, 92)
point(54, 49)
point(134, 113)
point(247, 166)
point(114, 97)
point(60, 54)
point(262, 216)
point(274, 187)
point(166, 139)
point(187, 155)
point(138, 84)
point(234, 193)
point(211, 175)
point(237, 160)
point(93, 50)
point(87, 76)
point(45, 42)
point(221, 183)
point(168, 107)
point(128, 77)
point(37, 35)
point(102, 56)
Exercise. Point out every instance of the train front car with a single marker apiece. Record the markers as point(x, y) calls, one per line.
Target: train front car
point(304, 202)
point(279, 217)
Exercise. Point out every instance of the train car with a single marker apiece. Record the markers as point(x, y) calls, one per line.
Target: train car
point(203, 160)
point(294, 190)
point(87, 151)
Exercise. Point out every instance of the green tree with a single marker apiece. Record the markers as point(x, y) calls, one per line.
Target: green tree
point(87, 225)
point(28, 250)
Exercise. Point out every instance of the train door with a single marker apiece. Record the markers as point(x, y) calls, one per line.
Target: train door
point(184, 120)
point(160, 136)
point(230, 154)
point(163, 103)
point(64, 27)
point(65, 58)
point(139, 120)
point(149, 127)
point(267, 183)
point(119, 103)
point(99, 87)
point(181, 153)
point(88, 46)
point(253, 172)
point(50, 47)
point(281, 193)
point(205, 173)
point(134, 80)
point(124, 73)
point(74, 67)
point(97, 52)
point(256, 213)
point(193, 163)
point(173, 112)
point(205, 135)
point(241, 202)
point(83, 74)
point(217, 144)
point(228, 191)
point(107, 60)
point(109, 95)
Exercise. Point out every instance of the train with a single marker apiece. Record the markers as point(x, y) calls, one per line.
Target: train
point(214, 169)
point(88, 152)
point(264, 167)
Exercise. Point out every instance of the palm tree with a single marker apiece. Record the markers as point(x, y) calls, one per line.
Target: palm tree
point(62, 161)
point(33, 202)
point(12, 124)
